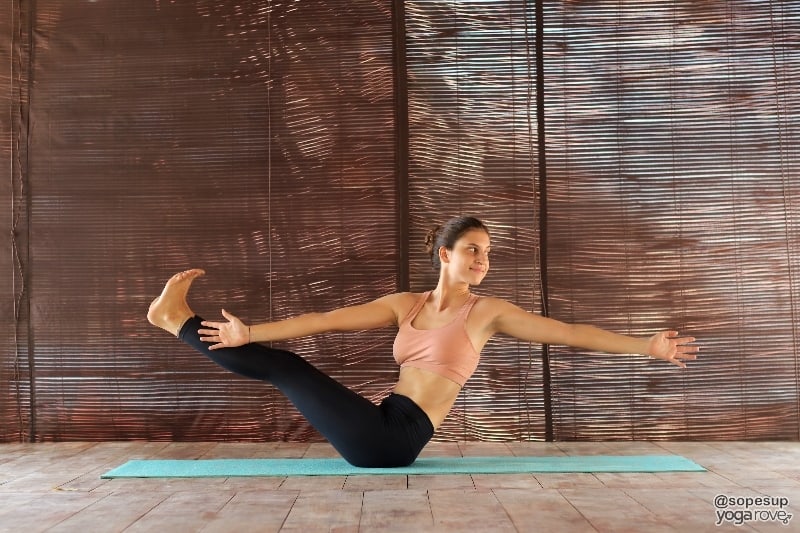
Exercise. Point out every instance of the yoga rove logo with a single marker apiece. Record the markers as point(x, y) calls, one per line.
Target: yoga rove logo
point(739, 510)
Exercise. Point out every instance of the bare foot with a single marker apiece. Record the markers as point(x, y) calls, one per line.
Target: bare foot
point(169, 311)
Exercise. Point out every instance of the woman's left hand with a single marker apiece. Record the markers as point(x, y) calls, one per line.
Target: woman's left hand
point(225, 334)
point(667, 345)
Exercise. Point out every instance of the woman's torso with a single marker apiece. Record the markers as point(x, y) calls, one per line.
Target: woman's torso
point(434, 393)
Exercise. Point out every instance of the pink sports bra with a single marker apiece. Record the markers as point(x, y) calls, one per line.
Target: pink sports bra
point(446, 351)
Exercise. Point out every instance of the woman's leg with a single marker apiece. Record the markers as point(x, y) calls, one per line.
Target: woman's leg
point(365, 434)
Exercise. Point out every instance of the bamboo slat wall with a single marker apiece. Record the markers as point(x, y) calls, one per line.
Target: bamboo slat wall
point(646, 180)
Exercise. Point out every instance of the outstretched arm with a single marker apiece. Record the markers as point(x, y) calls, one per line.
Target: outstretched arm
point(666, 345)
point(233, 332)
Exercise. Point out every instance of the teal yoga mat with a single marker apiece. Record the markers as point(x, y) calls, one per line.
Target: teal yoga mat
point(167, 468)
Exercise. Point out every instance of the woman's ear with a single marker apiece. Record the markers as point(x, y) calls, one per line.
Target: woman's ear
point(444, 256)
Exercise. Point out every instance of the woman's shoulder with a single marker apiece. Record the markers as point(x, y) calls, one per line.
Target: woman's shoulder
point(490, 307)
point(491, 302)
point(406, 295)
point(401, 303)
point(402, 300)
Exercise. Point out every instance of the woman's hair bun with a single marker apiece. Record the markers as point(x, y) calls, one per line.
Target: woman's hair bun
point(430, 240)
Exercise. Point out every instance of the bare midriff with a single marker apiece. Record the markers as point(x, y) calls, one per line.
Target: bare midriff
point(434, 394)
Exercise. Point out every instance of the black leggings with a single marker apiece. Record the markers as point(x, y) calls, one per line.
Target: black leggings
point(367, 435)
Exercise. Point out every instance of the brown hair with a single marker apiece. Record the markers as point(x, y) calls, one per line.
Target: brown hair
point(448, 234)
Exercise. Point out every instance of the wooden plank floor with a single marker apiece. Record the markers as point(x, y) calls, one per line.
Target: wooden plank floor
point(57, 488)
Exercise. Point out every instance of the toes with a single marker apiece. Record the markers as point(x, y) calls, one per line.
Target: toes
point(187, 274)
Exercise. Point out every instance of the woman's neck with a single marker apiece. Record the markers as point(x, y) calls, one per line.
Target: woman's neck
point(449, 295)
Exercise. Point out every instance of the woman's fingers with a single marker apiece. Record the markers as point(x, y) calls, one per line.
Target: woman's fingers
point(684, 351)
point(674, 336)
point(224, 334)
point(674, 349)
point(219, 342)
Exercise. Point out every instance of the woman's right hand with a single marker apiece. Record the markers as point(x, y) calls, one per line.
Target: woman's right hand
point(225, 334)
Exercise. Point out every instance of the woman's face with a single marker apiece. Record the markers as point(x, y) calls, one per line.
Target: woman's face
point(469, 259)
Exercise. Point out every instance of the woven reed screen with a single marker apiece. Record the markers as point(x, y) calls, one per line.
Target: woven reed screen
point(256, 143)
point(9, 405)
point(259, 141)
point(471, 103)
point(672, 158)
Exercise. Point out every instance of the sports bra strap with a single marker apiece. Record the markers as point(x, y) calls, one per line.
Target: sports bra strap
point(417, 308)
point(465, 309)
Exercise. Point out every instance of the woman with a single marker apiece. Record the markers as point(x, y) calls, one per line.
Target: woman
point(441, 334)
